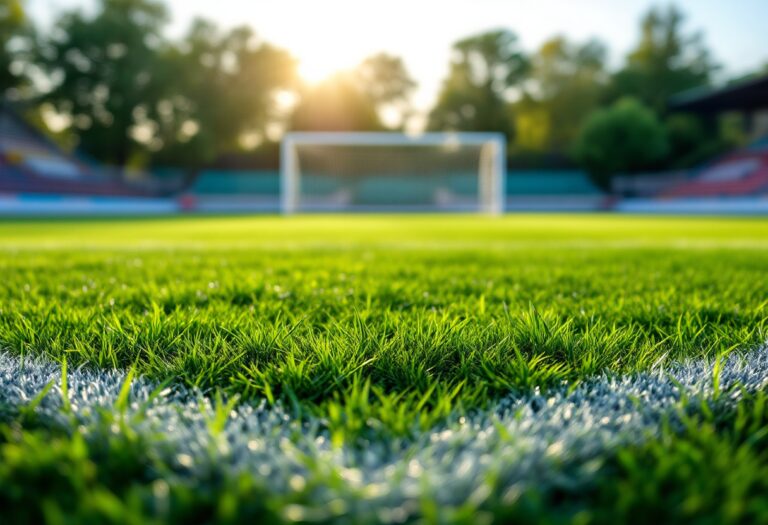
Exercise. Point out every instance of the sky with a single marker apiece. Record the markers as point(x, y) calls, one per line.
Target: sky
point(330, 35)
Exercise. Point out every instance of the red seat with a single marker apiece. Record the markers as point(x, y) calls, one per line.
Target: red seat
point(741, 174)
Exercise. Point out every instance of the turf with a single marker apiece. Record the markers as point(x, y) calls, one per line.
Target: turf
point(381, 327)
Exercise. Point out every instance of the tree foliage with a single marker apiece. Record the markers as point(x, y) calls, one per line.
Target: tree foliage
point(387, 82)
point(623, 138)
point(385, 79)
point(14, 42)
point(103, 69)
point(357, 100)
point(221, 85)
point(693, 140)
point(129, 94)
point(666, 61)
point(132, 95)
point(566, 83)
point(337, 104)
point(475, 95)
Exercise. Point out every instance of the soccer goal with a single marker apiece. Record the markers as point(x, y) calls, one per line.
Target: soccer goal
point(372, 171)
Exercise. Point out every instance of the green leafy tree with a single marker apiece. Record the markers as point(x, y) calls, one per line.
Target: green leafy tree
point(15, 35)
point(357, 100)
point(386, 81)
point(666, 61)
point(337, 104)
point(623, 138)
point(693, 140)
point(566, 83)
point(219, 87)
point(475, 95)
point(103, 69)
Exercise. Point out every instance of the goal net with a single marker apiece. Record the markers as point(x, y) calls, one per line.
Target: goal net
point(370, 171)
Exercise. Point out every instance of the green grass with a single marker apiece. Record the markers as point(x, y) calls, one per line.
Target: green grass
point(308, 309)
point(379, 321)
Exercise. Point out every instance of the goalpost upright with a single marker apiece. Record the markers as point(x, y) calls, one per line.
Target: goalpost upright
point(490, 166)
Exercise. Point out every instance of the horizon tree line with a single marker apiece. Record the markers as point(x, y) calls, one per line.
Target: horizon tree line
point(113, 84)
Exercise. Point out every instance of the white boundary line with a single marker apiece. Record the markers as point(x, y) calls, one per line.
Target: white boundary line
point(525, 440)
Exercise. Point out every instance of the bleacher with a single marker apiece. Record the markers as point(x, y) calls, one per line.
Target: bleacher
point(540, 182)
point(32, 164)
point(231, 182)
point(564, 190)
point(232, 191)
point(742, 173)
point(734, 184)
point(16, 179)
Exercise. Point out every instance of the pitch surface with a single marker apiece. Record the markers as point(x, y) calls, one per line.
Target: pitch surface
point(546, 368)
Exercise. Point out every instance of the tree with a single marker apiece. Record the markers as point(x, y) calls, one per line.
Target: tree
point(475, 95)
point(134, 97)
point(386, 81)
point(338, 104)
point(666, 61)
point(623, 138)
point(566, 83)
point(693, 140)
point(220, 86)
point(14, 42)
point(357, 100)
point(103, 69)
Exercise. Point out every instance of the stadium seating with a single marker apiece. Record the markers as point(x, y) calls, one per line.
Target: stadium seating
point(225, 190)
point(25, 179)
point(219, 182)
point(570, 182)
point(32, 164)
point(739, 174)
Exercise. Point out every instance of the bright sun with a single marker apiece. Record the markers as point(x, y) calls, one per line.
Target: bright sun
point(314, 72)
point(317, 63)
point(322, 42)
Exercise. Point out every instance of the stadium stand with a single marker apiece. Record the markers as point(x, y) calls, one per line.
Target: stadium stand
point(744, 172)
point(237, 182)
point(32, 164)
point(734, 183)
point(740, 174)
point(37, 176)
point(233, 191)
point(565, 190)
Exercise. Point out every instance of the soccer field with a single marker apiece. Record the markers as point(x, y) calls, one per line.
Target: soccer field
point(366, 369)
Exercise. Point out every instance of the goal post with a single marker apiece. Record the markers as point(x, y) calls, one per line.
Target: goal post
point(388, 171)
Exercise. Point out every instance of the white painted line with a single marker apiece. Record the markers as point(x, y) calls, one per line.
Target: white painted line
point(554, 438)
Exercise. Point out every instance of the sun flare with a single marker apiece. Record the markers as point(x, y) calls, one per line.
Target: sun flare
point(321, 62)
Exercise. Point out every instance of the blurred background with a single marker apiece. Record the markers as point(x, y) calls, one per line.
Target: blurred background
point(155, 107)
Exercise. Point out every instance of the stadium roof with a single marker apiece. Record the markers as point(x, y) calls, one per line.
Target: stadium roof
point(748, 95)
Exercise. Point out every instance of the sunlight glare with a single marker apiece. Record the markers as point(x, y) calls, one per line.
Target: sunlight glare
point(320, 60)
